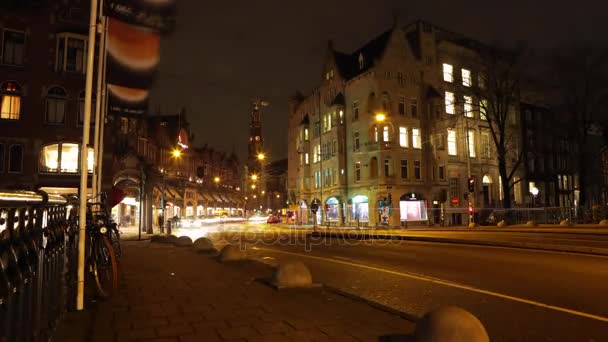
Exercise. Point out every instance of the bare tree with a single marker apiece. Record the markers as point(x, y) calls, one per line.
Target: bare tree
point(497, 94)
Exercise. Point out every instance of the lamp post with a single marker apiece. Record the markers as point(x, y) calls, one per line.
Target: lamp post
point(176, 153)
point(381, 117)
point(534, 191)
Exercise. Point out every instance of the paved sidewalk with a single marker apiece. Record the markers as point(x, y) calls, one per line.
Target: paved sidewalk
point(173, 294)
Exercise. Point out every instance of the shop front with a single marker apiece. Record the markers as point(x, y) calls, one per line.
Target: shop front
point(412, 208)
point(359, 209)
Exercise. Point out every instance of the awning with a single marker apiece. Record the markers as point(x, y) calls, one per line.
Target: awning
point(217, 197)
point(224, 198)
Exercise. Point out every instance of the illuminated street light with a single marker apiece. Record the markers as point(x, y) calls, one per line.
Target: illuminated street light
point(176, 153)
point(278, 196)
point(380, 117)
point(254, 177)
point(263, 192)
point(254, 196)
point(216, 179)
point(253, 186)
point(261, 156)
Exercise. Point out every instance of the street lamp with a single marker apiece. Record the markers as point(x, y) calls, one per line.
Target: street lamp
point(534, 191)
point(380, 117)
point(253, 186)
point(216, 180)
point(254, 177)
point(261, 156)
point(176, 153)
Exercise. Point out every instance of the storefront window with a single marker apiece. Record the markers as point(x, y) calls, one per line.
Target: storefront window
point(332, 206)
point(412, 208)
point(360, 208)
point(64, 158)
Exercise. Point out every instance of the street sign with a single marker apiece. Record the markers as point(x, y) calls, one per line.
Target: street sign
point(455, 201)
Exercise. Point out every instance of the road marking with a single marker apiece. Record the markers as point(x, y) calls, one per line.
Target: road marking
point(448, 283)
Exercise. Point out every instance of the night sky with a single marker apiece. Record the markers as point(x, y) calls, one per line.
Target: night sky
point(225, 53)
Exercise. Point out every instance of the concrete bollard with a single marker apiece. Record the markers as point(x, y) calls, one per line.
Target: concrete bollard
point(501, 224)
point(450, 324)
point(292, 274)
point(171, 240)
point(158, 238)
point(183, 241)
point(203, 245)
point(472, 225)
point(604, 223)
point(531, 223)
point(231, 253)
point(565, 223)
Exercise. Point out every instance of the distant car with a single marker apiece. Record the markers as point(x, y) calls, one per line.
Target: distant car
point(273, 219)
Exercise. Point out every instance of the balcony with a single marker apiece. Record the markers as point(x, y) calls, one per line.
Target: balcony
point(379, 146)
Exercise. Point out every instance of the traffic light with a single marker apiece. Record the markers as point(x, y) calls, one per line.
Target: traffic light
point(471, 185)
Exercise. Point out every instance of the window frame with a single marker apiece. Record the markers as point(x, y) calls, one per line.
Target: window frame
point(402, 104)
point(414, 107)
point(417, 170)
point(10, 162)
point(404, 167)
point(355, 110)
point(454, 143)
point(357, 172)
point(61, 67)
point(470, 78)
point(403, 137)
point(2, 47)
point(2, 156)
point(17, 93)
point(449, 107)
point(471, 142)
point(448, 72)
point(56, 98)
point(416, 138)
point(468, 106)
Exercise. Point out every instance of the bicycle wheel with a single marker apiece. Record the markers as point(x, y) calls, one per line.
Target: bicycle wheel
point(116, 243)
point(105, 269)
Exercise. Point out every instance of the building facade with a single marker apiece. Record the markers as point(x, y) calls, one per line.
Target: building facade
point(393, 130)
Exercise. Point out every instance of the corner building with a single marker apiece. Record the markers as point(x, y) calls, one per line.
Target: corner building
point(387, 136)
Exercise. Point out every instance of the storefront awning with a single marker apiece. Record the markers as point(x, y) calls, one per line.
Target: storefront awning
point(224, 198)
point(217, 197)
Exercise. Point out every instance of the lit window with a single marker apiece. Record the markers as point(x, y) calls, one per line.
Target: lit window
point(468, 106)
point(71, 54)
point(341, 117)
point(416, 139)
point(449, 102)
point(13, 47)
point(15, 159)
point(466, 78)
point(471, 140)
point(376, 133)
point(403, 136)
point(452, 142)
point(90, 159)
point(306, 158)
point(306, 134)
point(357, 171)
point(485, 145)
point(448, 71)
point(483, 109)
point(10, 98)
point(385, 136)
point(55, 105)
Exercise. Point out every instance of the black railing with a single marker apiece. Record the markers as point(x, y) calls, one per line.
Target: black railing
point(37, 264)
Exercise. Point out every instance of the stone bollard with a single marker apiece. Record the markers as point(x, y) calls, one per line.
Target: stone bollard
point(158, 238)
point(531, 223)
point(472, 225)
point(501, 224)
point(604, 223)
point(565, 223)
point(292, 274)
point(203, 245)
point(450, 324)
point(231, 253)
point(183, 241)
point(171, 239)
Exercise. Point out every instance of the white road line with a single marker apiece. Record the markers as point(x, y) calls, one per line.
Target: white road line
point(450, 284)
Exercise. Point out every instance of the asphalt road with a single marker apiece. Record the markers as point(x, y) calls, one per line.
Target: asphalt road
point(519, 295)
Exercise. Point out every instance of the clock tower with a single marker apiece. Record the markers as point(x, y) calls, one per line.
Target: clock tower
point(256, 142)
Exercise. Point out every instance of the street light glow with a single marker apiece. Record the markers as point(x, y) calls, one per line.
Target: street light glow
point(278, 196)
point(216, 179)
point(176, 153)
point(253, 186)
point(254, 177)
point(380, 117)
point(261, 156)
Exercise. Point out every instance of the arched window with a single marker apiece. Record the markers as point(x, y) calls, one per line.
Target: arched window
point(56, 99)
point(10, 101)
point(63, 158)
point(81, 108)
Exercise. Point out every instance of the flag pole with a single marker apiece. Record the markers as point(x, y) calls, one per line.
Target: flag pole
point(104, 107)
point(84, 154)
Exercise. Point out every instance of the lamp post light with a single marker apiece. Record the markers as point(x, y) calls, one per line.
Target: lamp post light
point(534, 191)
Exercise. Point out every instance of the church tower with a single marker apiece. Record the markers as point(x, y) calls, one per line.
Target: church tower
point(256, 141)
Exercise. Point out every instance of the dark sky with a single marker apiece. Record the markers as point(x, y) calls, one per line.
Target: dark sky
point(225, 53)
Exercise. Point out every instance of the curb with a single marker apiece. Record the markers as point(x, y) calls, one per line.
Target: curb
point(507, 244)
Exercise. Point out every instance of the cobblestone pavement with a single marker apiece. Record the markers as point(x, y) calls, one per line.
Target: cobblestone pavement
point(173, 294)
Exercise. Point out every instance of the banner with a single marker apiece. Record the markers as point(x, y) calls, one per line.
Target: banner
point(124, 101)
point(158, 15)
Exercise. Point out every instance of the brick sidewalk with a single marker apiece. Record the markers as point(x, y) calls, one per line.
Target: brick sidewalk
point(172, 294)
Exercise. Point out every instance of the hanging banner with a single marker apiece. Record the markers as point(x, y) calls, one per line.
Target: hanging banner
point(133, 54)
point(124, 101)
point(158, 15)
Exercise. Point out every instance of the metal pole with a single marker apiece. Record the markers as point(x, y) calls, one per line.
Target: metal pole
point(98, 123)
point(470, 197)
point(103, 117)
point(83, 155)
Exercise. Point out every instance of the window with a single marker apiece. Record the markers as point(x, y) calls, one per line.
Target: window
point(402, 105)
point(385, 102)
point(404, 169)
point(485, 145)
point(466, 78)
point(468, 106)
point(306, 134)
point(124, 125)
point(387, 166)
point(63, 158)
point(416, 141)
point(334, 147)
point(316, 130)
point(471, 141)
point(356, 110)
point(10, 98)
point(56, 99)
point(449, 102)
point(361, 61)
point(81, 110)
point(306, 158)
point(483, 109)
point(414, 107)
point(334, 176)
point(356, 141)
point(15, 159)
point(403, 136)
point(357, 171)
point(448, 70)
point(385, 136)
point(327, 177)
point(71, 55)
point(442, 172)
point(400, 79)
point(452, 151)
point(13, 46)
point(417, 173)
point(375, 133)
point(440, 142)
point(317, 179)
point(481, 80)
point(341, 117)
point(454, 188)
point(1, 158)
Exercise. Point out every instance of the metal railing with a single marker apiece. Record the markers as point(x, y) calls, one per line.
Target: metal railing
point(37, 264)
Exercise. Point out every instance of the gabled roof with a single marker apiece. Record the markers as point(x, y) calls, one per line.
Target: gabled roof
point(348, 64)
